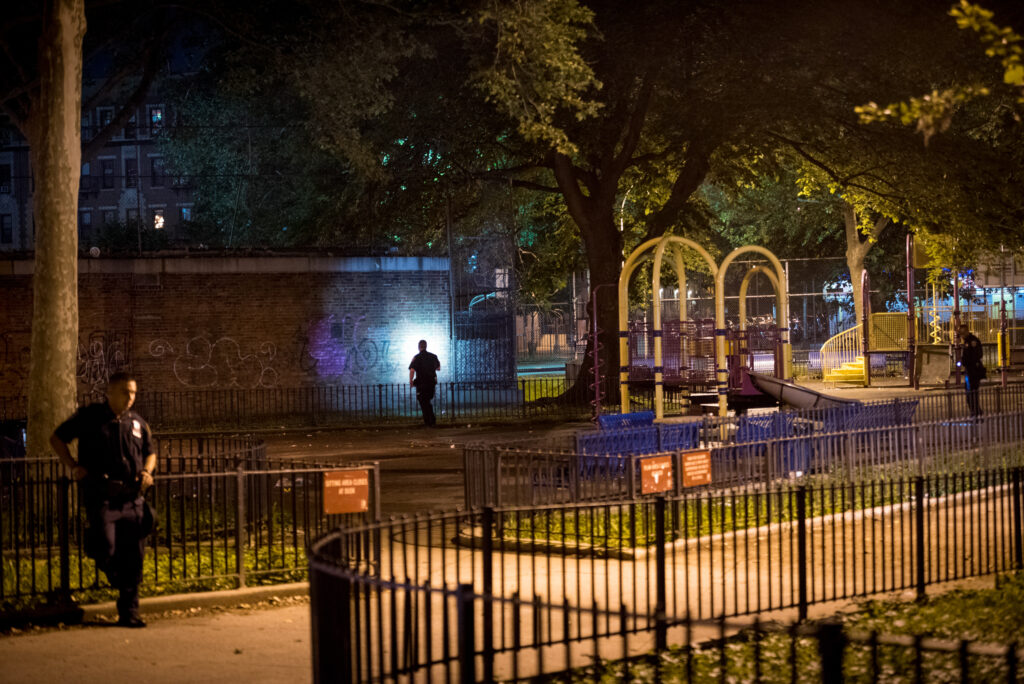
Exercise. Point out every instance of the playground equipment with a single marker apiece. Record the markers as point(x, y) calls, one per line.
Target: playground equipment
point(689, 341)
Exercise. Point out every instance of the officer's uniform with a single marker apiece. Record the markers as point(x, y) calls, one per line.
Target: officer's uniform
point(974, 371)
point(113, 452)
point(426, 366)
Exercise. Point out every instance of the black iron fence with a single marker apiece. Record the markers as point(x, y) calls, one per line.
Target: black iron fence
point(227, 516)
point(519, 592)
point(343, 404)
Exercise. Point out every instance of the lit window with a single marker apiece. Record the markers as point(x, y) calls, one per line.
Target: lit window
point(158, 219)
point(84, 223)
point(156, 120)
point(186, 214)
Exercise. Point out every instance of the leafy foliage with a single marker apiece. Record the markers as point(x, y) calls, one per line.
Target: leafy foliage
point(933, 113)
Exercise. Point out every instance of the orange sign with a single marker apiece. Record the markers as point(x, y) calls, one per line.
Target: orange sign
point(696, 468)
point(346, 491)
point(656, 474)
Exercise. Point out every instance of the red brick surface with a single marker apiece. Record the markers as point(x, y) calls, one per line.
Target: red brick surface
point(219, 330)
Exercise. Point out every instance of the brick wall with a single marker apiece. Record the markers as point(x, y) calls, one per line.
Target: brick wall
point(217, 323)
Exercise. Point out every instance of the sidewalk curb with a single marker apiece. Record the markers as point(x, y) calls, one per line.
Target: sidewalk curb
point(209, 599)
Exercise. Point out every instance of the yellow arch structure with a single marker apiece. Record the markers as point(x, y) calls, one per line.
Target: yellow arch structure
point(632, 263)
point(721, 370)
point(745, 285)
point(677, 244)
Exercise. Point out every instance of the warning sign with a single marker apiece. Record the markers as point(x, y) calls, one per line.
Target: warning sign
point(346, 491)
point(656, 474)
point(696, 468)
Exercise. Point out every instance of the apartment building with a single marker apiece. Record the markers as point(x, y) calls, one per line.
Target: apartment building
point(124, 186)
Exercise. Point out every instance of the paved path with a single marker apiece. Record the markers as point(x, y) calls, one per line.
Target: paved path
point(250, 646)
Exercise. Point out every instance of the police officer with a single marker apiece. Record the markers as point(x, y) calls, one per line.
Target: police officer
point(973, 367)
point(115, 466)
point(423, 376)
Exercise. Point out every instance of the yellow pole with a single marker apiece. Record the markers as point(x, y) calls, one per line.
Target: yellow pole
point(659, 369)
point(630, 265)
point(684, 388)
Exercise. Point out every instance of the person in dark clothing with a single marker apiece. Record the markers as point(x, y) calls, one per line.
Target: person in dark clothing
point(423, 376)
point(114, 469)
point(973, 367)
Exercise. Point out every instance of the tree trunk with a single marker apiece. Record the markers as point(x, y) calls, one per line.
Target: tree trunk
point(856, 250)
point(53, 130)
point(604, 259)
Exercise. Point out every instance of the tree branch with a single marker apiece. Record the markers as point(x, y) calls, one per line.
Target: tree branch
point(698, 163)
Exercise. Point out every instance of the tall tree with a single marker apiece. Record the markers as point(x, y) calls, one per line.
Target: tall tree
point(48, 113)
point(41, 82)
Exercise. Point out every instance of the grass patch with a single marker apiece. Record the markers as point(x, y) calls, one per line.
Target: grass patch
point(26, 581)
point(624, 526)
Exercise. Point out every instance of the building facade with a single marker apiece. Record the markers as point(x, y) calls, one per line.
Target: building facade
point(124, 187)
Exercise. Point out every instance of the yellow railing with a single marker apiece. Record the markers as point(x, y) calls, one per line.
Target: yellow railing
point(888, 333)
point(842, 348)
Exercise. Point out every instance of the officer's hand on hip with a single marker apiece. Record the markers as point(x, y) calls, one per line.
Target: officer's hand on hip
point(146, 480)
point(78, 472)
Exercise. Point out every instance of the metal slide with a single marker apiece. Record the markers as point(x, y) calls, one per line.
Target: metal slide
point(794, 395)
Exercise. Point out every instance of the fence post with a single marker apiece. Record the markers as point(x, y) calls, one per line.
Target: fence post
point(831, 643)
point(240, 515)
point(380, 401)
point(660, 608)
point(522, 398)
point(801, 516)
point(466, 633)
point(330, 598)
point(1018, 522)
point(64, 537)
point(919, 528)
point(488, 586)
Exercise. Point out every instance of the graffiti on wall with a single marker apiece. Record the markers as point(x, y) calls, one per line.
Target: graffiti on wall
point(221, 363)
point(335, 347)
point(101, 354)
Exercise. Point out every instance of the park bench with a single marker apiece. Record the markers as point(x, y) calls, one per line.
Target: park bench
point(868, 416)
point(616, 421)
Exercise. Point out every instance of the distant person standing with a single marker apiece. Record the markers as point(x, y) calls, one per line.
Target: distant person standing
point(423, 376)
point(115, 467)
point(973, 367)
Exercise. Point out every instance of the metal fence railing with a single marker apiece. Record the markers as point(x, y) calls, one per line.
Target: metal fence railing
point(227, 516)
point(343, 404)
point(924, 434)
point(516, 592)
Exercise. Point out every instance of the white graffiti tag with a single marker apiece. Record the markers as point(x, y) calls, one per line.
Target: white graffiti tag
point(219, 364)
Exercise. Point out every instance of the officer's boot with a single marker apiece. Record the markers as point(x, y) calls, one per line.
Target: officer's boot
point(128, 607)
